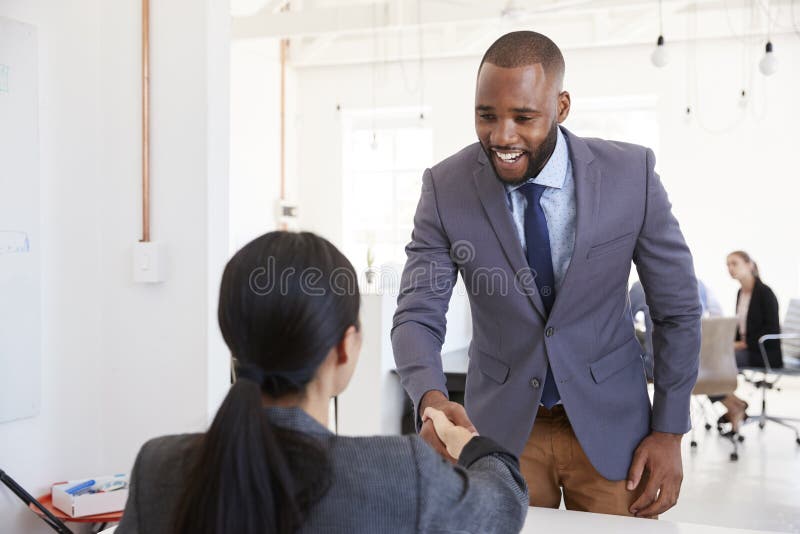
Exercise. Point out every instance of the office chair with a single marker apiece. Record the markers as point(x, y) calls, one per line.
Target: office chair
point(717, 374)
point(768, 378)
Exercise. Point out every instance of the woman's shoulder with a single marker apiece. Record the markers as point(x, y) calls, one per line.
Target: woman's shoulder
point(762, 288)
point(165, 454)
point(171, 443)
point(158, 476)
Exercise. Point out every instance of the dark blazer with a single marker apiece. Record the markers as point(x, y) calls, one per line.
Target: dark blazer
point(463, 226)
point(394, 484)
point(762, 319)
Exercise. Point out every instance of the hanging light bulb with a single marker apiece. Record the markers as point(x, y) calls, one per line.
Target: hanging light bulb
point(769, 63)
point(660, 57)
point(743, 99)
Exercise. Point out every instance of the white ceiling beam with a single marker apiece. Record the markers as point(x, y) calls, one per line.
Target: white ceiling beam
point(311, 51)
point(344, 34)
point(577, 45)
point(385, 15)
point(382, 15)
point(291, 24)
point(244, 8)
point(474, 41)
point(346, 19)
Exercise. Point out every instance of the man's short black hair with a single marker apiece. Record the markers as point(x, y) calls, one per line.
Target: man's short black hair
point(523, 48)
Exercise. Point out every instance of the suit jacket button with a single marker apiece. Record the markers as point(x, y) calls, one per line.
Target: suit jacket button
point(535, 383)
point(549, 332)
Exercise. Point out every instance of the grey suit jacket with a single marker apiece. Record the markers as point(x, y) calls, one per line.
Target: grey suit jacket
point(394, 484)
point(463, 224)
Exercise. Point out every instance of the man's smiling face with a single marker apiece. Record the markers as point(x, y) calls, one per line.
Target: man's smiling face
point(517, 111)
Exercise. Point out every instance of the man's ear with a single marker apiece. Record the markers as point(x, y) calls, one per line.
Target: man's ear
point(564, 103)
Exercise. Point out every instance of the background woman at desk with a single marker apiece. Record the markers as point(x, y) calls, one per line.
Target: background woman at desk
point(288, 311)
point(757, 314)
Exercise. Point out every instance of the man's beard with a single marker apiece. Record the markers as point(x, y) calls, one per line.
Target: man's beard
point(536, 159)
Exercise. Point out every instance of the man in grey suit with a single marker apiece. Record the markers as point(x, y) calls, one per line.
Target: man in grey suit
point(543, 225)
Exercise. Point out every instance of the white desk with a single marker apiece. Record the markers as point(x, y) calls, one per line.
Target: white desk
point(567, 522)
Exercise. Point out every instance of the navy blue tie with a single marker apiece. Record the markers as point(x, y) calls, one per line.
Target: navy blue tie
point(540, 260)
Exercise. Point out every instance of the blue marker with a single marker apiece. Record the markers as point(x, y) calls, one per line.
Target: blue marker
point(83, 485)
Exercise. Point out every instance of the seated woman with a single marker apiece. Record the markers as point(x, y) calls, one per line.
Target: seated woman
point(288, 310)
point(757, 314)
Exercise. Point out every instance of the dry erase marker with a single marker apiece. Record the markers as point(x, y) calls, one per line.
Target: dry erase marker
point(79, 487)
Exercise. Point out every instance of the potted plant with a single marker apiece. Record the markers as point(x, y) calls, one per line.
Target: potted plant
point(370, 261)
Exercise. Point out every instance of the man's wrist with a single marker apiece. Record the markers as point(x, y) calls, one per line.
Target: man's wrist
point(667, 435)
point(431, 398)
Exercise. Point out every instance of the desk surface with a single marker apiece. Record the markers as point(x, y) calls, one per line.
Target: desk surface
point(567, 522)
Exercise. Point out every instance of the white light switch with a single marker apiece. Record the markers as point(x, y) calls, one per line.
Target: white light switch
point(148, 262)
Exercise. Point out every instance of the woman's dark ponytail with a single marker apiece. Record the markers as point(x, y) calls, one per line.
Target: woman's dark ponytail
point(241, 481)
point(249, 476)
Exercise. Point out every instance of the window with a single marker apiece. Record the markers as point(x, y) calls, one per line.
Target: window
point(382, 178)
point(632, 119)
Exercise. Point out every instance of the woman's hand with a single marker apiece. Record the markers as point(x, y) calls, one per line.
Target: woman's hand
point(454, 437)
point(740, 345)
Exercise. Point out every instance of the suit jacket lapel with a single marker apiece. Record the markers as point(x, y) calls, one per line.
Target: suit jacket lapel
point(587, 179)
point(493, 197)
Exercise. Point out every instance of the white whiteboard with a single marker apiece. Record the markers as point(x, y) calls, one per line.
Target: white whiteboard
point(20, 250)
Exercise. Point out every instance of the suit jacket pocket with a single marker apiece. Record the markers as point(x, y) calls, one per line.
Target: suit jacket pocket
point(616, 360)
point(608, 246)
point(490, 366)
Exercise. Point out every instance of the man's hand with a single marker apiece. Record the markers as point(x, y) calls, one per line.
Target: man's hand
point(454, 411)
point(740, 345)
point(660, 454)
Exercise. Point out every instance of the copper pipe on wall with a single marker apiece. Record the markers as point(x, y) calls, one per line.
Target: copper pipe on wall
point(284, 48)
point(145, 121)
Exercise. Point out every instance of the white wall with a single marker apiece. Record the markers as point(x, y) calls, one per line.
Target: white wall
point(160, 341)
point(64, 440)
point(255, 140)
point(123, 362)
point(730, 190)
point(736, 189)
point(449, 86)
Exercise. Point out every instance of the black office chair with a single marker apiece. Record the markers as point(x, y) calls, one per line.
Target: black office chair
point(768, 378)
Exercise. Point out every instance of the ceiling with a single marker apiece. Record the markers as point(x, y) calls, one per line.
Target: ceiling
point(334, 32)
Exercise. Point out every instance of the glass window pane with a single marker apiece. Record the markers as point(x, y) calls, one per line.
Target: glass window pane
point(372, 150)
point(413, 148)
point(382, 182)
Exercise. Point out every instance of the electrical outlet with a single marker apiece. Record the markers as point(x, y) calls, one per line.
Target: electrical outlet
point(148, 263)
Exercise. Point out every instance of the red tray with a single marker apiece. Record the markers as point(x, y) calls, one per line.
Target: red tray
point(47, 502)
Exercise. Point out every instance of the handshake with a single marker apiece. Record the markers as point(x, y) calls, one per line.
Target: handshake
point(445, 425)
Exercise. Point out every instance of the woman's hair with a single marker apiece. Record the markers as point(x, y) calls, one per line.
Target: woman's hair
point(285, 300)
point(747, 259)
